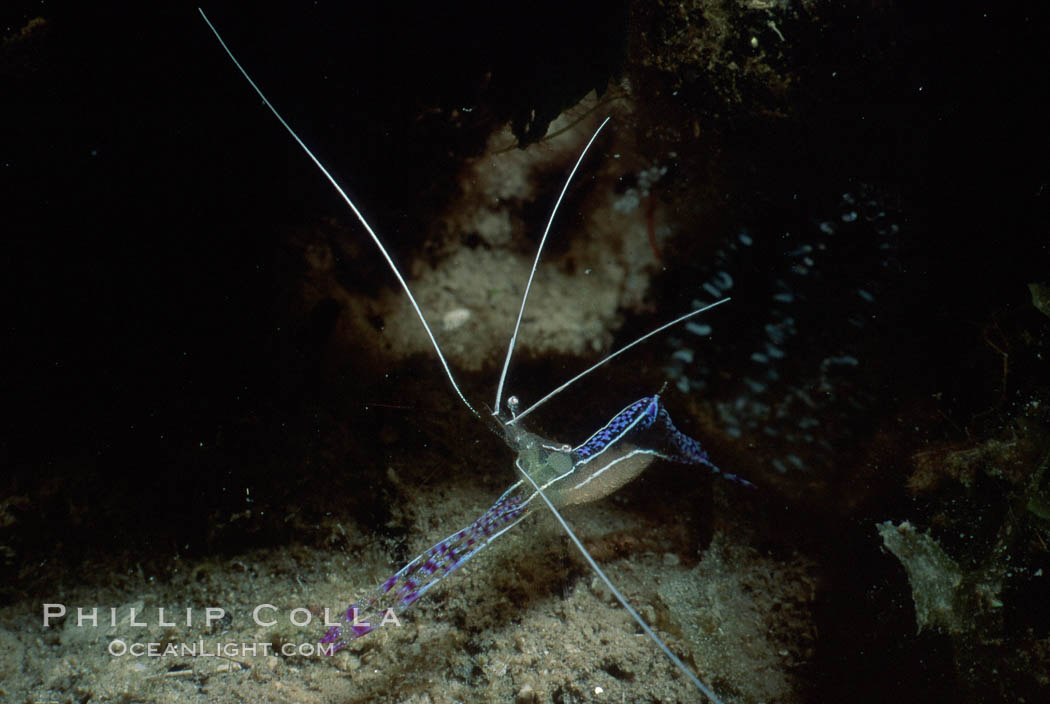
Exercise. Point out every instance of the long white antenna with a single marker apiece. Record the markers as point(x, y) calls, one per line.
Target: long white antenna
point(535, 263)
point(708, 692)
point(353, 207)
point(617, 353)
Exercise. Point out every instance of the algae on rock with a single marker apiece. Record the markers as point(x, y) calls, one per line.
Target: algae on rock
point(933, 575)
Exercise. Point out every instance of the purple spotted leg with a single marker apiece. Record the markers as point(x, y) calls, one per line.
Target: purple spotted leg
point(409, 583)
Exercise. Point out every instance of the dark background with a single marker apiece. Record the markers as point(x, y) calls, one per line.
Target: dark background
point(149, 197)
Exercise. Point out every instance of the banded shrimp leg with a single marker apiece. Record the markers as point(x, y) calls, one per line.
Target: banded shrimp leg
point(557, 474)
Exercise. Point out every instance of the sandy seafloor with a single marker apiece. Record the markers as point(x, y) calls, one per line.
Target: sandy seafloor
point(524, 621)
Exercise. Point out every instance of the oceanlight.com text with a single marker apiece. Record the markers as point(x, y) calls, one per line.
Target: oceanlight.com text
point(120, 648)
